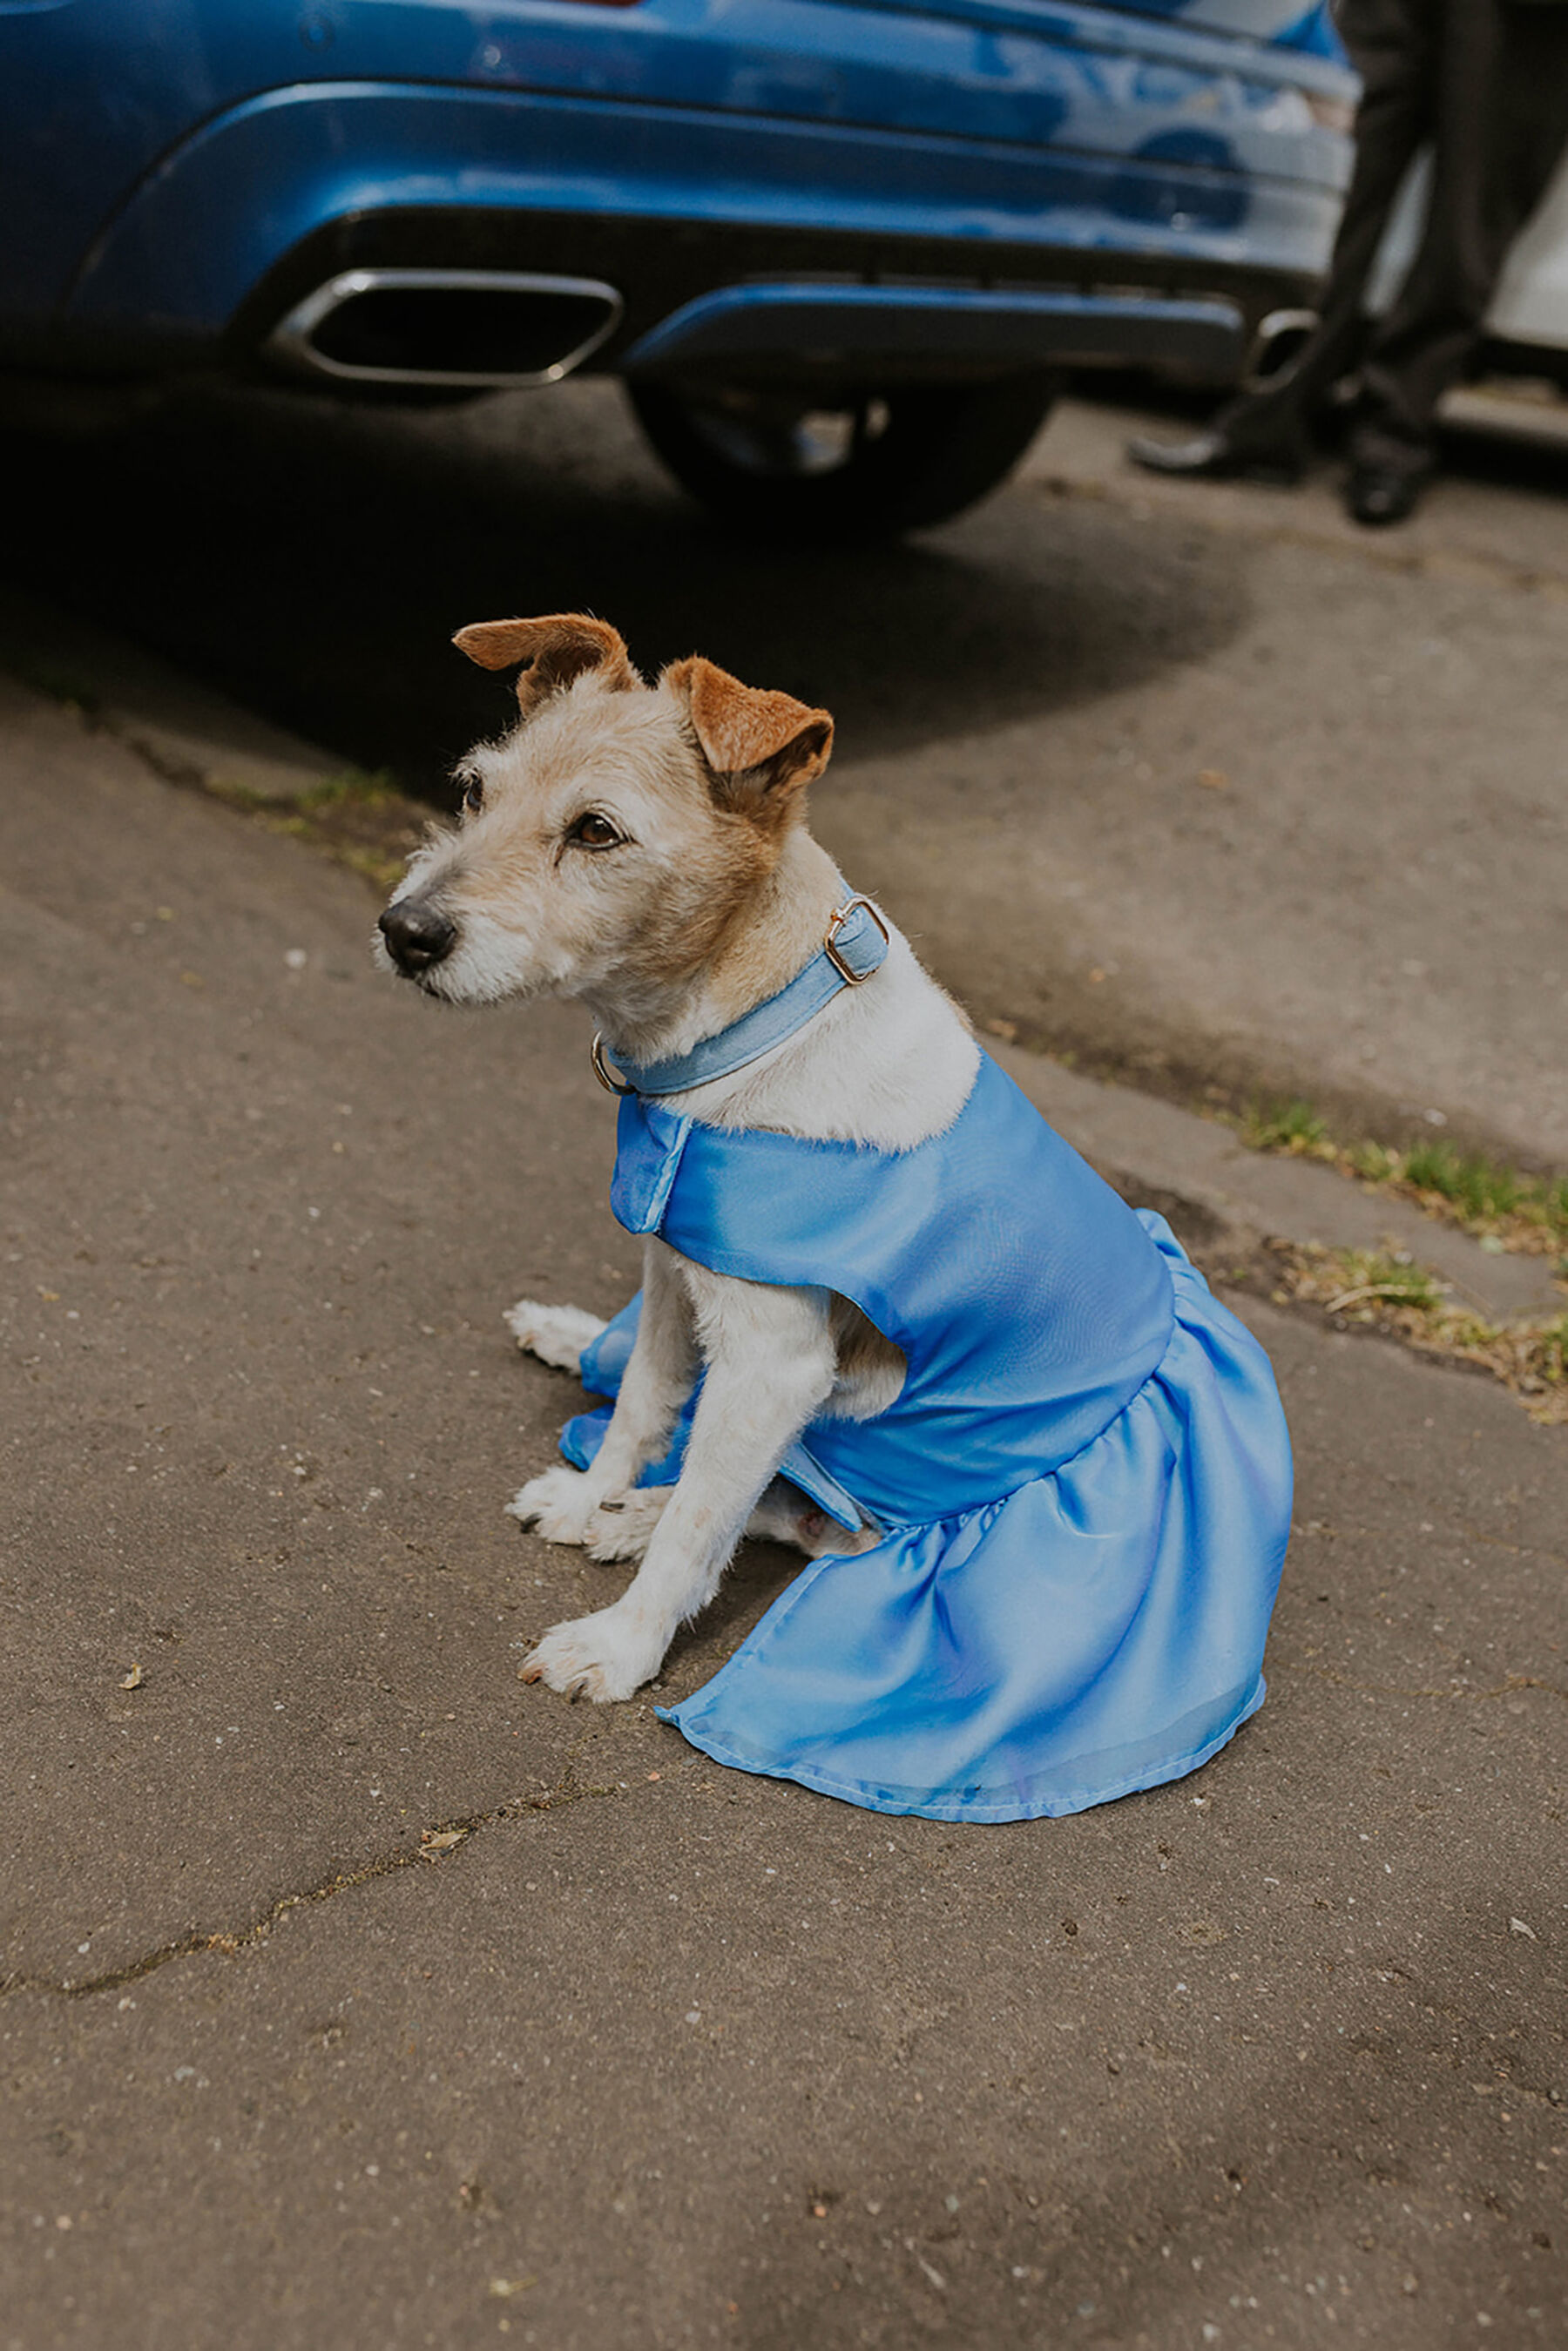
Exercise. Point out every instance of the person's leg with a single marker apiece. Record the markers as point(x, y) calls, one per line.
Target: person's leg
point(1265, 431)
point(1502, 122)
point(1391, 47)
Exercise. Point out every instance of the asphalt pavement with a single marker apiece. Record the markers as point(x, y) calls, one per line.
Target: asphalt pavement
point(356, 1994)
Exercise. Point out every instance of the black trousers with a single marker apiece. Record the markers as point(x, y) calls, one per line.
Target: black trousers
point(1485, 82)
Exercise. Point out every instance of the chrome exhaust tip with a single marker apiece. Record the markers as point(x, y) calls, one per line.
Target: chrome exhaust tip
point(476, 329)
point(1276, 347)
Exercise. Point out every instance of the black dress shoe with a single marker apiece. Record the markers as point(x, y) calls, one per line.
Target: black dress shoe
point(1218, 456)
point(1376, 495)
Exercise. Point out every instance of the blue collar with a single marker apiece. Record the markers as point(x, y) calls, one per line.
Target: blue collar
point(855, 946)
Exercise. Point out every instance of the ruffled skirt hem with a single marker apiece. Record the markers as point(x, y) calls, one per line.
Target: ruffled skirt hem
point(1054, 1804)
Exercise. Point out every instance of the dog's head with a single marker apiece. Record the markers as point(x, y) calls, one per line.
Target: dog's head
point(610, 839)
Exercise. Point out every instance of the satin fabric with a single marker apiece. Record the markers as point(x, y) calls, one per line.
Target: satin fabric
point(1085, 1481)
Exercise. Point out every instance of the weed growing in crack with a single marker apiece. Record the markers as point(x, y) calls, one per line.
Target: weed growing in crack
point(1391, 1293)
point(1391, 1277)
point(1499, 1205)
point(1481, 1192)
point(1292, 1126)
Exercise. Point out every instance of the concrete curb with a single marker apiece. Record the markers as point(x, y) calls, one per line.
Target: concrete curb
point(184, 730)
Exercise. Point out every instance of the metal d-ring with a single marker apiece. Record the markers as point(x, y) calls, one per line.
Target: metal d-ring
point(841, 915)
point(601, 1070)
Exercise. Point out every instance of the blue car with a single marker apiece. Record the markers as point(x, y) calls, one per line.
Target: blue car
point(839, 250)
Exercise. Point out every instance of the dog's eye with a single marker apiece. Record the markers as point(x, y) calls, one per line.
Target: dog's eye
point(594, 831)
point(474, 796)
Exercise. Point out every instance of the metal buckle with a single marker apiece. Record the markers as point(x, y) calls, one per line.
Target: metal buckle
point(840, 918)
point(601, 1070)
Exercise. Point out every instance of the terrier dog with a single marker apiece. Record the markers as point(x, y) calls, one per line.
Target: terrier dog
point(644, 849)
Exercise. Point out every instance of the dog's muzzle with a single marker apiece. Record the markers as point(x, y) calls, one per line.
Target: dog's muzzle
point(417, 934)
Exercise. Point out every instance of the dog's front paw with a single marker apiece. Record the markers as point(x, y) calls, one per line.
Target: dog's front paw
point(559, 1504)
point(556, 1334)
point(622, 1526)
point(607, 1656)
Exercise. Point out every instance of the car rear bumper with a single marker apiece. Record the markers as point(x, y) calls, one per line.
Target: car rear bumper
point(671, 206)
point(832, 329)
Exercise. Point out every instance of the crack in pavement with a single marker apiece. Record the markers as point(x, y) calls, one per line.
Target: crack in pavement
point(436, 1843)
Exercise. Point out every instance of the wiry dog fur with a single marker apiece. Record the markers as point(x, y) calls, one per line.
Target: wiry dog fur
point(644, 849)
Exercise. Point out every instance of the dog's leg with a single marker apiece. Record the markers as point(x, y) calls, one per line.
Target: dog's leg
point(783, 1515)
point(556, 1334)
point(599, 1506)
point(770, 1366)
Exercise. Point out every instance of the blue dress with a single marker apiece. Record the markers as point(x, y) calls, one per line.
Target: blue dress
point(1085, 1481)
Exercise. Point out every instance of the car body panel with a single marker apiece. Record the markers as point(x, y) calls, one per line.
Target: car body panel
point(287, 163)
point(162, 159)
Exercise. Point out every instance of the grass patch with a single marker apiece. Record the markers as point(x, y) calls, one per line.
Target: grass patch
point(362, 822)
point(1479, 1191)
point(1502, 1207)
point(1293, 1127)
point(1381, 1290)
point(47, 677)
point(1388, 1279)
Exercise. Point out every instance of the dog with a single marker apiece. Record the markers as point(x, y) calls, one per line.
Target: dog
point(646, 850)
point(887, 1314)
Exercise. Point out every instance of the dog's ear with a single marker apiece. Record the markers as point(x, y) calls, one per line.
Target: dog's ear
point(559, 648)
point(761, 748)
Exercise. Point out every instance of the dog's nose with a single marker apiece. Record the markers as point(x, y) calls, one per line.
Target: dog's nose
point(417, 934)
